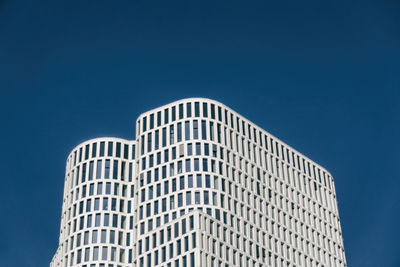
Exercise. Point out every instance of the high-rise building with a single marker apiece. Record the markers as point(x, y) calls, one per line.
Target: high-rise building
point(199, 186)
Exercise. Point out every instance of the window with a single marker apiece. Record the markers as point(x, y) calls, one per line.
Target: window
point(159, 118)
point(199, 180)
point(98, 170)
point(197, 198)
point(171, 134)
point(203, 130)
point(205, 111)
point(196, 109)
point(179, 134)
point(187, 130)
point(195, 129)
point(173, 111)
point(94, 146)
point(180, 111)
point(188, 110)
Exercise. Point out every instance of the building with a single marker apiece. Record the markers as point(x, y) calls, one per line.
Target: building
point(199, 186)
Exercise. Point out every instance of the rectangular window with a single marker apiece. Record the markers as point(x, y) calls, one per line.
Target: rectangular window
point(199, 180)
point(151, 121)
point(173, 115)
point(166, 116)
point(206, 199)
point(106, 219)
point(164, 136)
point(188, 198)
point(189, 150)
point(192, 261)
point(110, 149)
point(211, 131)
point(94, 146)
point(156, 137)
point(98, 170)
point(107, 169)
point(159, 118)
point(180, 111)
point(149, 144)
point(95, 253)
point(102, 145)
point(144, 124)
point(195, 129)
point(187, 130)
point(190, 181)
point(188, 165)
point(180, 200)
point(196, 109)
point(80, 154)
point(115, 169)
point(205, 111)
point(205, 165)
point(203, 130)
point(104, 253)
point(171, 134)
point(83, 172)
point(188, 110)
point(208, 181)
point(179, 132)
point(126, 149)
point(91, 166)
point(118, 150)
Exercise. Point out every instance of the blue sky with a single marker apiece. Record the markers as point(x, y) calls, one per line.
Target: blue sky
point(323, 76)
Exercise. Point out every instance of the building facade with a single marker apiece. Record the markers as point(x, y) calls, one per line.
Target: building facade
point(199, 186)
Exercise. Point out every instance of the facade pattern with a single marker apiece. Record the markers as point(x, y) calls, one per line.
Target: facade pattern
point(200, 186)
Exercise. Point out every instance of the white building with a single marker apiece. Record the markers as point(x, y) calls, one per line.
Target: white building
point(200, 186)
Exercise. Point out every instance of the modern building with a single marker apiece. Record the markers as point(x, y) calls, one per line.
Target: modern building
point(199, 186)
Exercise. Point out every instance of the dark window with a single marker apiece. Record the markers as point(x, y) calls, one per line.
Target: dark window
point(187, 130)
point(195, 129)
point(196, 109)
point(179, 132)
point(94, 148)
point(164, 136)
point(110, 149)
point(173, 115)
point(166, 116)
point(205, 111)
point(188, 110)
point(86, 152)
point(151, 121)
point(115, 171)
point(98, 171)
point(156, 137)
point(180, 111)
point(118, 152)
point(102, 149)
point(126, 151)
point(212, 111)
point(203, 130)
point(144, 124)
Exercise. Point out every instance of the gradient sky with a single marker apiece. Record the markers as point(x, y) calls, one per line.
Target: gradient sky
point(323, 76)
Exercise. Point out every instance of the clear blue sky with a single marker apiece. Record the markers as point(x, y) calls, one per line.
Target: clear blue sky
point(323, 76)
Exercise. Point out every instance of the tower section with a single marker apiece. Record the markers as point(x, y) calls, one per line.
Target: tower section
point(214, 189)
point(97, 211)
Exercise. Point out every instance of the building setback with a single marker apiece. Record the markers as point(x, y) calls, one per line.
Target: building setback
point(200, 186)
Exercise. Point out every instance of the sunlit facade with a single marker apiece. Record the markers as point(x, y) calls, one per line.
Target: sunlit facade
point(199, 186)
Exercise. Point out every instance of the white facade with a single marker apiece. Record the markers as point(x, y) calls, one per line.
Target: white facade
point(200, 186)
